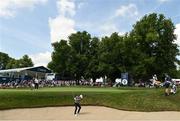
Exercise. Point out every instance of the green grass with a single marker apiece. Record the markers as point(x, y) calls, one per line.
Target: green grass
point(138, 99)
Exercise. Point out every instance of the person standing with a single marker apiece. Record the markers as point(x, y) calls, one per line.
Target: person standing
point(174, 88)
point(167, 84)
point(36, 81)
point(154, 80)
point(77, 105)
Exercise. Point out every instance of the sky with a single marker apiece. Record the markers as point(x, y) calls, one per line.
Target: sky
point(30, 26)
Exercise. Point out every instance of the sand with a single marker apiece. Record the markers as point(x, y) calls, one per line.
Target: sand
point(88, 113)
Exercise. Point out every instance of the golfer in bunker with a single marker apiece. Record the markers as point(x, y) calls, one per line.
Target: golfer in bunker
point(77, 105)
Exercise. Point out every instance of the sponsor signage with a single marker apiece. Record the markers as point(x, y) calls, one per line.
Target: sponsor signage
point(124, 78)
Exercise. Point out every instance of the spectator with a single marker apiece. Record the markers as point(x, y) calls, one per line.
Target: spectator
point(36, 81)
point(167, 84)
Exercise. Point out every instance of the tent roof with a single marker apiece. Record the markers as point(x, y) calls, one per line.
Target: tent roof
point(41, 69)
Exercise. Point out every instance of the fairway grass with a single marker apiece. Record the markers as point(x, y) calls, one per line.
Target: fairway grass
point(136, 99)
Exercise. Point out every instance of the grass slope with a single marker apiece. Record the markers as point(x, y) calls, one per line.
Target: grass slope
point(138, 99)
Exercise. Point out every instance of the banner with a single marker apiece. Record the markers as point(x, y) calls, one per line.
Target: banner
point(124, 78)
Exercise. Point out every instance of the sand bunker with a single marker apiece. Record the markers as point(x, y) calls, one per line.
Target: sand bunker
point(87, 113)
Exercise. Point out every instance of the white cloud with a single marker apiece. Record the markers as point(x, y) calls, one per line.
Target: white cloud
point(62, 25)
point(125, 14)
point(66, 7)
point(108, 28)
point(41, 59)
point(177, 32)
point(8, 8)
point(127, 11)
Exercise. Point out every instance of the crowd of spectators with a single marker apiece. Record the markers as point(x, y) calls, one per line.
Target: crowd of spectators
point(45, 83)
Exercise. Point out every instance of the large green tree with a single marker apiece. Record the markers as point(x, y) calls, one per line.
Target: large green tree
point(80, 44)
point(146, 50)
point(154, 37)
point(62, 59)
point(111, 56)
point(72, 58)
point(132, 57)
point(92, 70)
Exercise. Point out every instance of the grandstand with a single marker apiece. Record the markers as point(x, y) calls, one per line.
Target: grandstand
point(19, 74)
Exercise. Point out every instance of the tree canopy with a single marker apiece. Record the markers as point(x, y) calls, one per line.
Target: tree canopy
point(7, 62)
point(147, 49)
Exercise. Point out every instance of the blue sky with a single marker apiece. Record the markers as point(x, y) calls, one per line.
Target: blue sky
point(30, 26)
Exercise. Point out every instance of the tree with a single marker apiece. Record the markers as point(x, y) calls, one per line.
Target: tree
point(72, 59)
point(111, 53)
point(154, 37)
point(132, 57)
point(12, 64)
point(4, 59)
point(25, 61)
point(80, 44)
point(178, 74)
point(92, 70)
point(62, 59)
point(148, 49)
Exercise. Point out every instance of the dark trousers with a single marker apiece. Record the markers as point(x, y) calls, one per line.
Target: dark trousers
point(77, 105)
point(36, 85)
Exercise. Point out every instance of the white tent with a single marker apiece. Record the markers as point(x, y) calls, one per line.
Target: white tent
point(99, 80)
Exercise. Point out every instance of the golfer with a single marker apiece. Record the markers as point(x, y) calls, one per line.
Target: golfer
point(77, 105)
